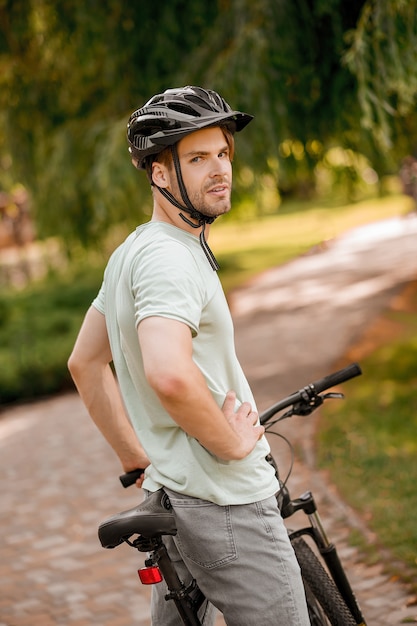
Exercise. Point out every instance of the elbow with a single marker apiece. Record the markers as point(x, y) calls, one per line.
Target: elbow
point(73, 366)
point(76, 366)
point(167, 386)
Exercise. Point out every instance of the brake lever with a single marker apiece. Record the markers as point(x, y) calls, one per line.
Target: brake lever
point(307, 406)
point(337, 396)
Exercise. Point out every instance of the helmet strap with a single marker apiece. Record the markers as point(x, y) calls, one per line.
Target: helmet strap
point(206, 248)
point(183, 191)
point(190, 209)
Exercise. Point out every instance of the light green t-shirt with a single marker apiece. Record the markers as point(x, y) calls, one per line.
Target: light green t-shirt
point(161, 270)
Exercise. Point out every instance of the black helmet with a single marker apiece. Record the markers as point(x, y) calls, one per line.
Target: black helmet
point(168, 117)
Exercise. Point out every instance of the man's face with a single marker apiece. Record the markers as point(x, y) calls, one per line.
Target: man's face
point(207, 171)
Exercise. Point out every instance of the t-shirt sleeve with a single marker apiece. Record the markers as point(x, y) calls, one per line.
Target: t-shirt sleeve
point(166, 282)
point(98, 302)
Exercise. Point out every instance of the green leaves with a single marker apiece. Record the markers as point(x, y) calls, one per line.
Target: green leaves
point(382, 54)
point(313, 72)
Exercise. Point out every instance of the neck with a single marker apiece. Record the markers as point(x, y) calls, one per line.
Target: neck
point(164, 211)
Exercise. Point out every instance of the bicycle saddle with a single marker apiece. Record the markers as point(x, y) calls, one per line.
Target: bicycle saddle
point(152, 517)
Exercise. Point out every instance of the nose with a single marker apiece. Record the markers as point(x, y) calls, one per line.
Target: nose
point(220, 166)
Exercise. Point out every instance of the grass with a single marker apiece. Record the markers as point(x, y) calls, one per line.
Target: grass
point(244, 249)
point(369, 444)
point(38, 327)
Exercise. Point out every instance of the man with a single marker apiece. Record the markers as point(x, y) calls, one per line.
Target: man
point(162, 318)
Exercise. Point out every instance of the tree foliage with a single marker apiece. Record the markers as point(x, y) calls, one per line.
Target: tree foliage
point(315, 73)
point(382, 55)
point(282, 61)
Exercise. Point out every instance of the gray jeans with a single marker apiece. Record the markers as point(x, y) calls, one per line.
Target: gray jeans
point(242, 560)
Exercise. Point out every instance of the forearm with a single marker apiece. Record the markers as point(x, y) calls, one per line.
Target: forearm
point(91, 372)
point(99, 392)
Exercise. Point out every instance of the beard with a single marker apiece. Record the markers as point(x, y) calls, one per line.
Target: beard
point(211, 209)
point(202, 203)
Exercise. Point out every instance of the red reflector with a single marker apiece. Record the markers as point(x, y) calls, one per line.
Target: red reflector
point(150, 575)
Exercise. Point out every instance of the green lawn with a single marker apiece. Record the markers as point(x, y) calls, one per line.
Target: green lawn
point(38, 327)
point(245, 249)
point(369, 443)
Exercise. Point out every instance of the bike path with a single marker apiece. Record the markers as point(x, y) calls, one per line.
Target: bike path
point(59, 478)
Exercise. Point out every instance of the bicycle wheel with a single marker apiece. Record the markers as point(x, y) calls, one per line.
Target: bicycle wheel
point(320, 588)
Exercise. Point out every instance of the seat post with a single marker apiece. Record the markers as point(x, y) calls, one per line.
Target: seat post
point(178, 592)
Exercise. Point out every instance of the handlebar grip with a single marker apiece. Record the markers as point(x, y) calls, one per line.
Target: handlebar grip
point(130, 478)
point(336, 378)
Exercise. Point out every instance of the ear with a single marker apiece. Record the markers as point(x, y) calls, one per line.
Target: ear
point(160, 174)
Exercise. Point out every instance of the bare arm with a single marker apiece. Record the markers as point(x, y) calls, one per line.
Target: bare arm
point(181, 388)
point(89, 365)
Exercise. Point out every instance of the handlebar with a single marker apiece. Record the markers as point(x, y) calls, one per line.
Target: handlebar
point(130, 478)
point(306, 394)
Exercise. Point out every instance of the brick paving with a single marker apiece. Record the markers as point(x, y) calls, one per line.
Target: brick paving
point(59, 478)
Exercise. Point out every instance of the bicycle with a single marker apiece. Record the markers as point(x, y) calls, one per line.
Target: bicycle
point(330, 599)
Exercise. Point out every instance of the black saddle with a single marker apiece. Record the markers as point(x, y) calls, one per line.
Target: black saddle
point(151, 518)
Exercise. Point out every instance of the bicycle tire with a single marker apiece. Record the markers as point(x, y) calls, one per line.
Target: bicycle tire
point(321, 586)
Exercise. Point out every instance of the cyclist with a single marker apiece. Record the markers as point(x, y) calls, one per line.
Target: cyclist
point(162, 318)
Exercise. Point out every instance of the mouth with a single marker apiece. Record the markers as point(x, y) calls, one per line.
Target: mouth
point(219, 190)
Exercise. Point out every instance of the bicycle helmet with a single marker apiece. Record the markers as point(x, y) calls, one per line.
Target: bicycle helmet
point(166, 119)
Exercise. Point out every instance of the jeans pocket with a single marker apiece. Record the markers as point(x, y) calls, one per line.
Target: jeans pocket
point(205, 533)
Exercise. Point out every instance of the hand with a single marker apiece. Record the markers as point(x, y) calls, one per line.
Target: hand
point(244, 422)
point(139, 481)
point(142, 465)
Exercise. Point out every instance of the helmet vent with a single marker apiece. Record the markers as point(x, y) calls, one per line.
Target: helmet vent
point(153, 111)
point(151, 126)
point(183, 108)
point(199, 102)
point(140, 142)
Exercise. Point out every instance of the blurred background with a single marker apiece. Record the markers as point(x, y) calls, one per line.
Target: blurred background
point(332, 85)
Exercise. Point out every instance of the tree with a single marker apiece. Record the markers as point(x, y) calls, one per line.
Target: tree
point(382, 55)
point(318, 74)
point(72, 74)
point(315, 73)
point(282, 61)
